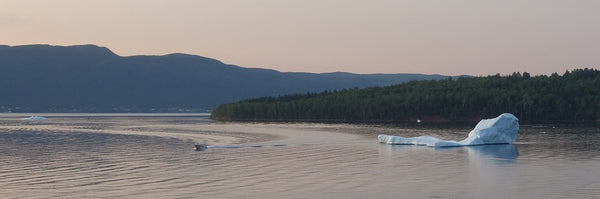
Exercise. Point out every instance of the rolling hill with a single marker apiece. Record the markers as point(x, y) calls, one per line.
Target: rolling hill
point(89, 78)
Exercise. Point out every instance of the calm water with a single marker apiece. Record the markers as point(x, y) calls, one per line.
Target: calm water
point(133, 157)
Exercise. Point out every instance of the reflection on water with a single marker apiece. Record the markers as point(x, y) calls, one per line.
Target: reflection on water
point(501, 152)
point(39, 163)
point(505, 153)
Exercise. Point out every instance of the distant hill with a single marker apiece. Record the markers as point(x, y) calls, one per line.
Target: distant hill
point(88, 78)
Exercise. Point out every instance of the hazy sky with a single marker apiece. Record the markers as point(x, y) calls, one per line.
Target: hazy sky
point(450, 37)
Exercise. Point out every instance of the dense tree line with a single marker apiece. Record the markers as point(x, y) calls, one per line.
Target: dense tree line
point(573, 96)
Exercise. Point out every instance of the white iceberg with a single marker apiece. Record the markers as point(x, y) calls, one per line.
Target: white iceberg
point(500, 130)
point(35, 118)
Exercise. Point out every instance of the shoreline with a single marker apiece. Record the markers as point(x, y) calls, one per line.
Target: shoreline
point(427, 124)
point(15, 115)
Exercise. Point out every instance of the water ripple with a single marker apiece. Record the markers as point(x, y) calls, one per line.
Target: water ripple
point(36, 162)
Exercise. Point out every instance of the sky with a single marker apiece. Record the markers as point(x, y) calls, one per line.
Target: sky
point(449, 37)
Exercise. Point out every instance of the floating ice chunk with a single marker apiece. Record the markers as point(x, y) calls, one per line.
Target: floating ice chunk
point(421, 140)
point(35, 118)
point(500, 130)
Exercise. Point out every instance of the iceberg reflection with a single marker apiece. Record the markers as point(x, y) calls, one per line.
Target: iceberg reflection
point(497, 154)
point(496, 151)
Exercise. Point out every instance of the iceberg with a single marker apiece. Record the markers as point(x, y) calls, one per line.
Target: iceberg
point(500, 130)
point(35, 118)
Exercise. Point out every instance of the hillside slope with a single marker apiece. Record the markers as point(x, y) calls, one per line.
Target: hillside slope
point(572, 97)
point(88, 78)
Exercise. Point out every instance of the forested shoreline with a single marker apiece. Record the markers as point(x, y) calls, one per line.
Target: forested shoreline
point(571, 97)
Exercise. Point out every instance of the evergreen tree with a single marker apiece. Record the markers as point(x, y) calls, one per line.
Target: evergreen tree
point(574, 96)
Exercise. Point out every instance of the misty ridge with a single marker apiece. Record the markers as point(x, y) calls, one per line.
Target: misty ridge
point(89, 78)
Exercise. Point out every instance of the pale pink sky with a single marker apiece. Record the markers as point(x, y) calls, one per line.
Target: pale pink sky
point(451, 37)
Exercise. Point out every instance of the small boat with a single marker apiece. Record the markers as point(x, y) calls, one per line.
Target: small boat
point(200, 147)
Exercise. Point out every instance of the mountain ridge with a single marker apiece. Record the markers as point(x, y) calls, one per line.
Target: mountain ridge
point(90, 78)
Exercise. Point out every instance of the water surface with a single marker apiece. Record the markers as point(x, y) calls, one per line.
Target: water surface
point(153, 157)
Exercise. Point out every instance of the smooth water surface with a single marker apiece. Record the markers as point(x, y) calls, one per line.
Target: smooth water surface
point(153, 157)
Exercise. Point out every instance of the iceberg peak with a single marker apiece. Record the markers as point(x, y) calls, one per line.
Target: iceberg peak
point(500, 130)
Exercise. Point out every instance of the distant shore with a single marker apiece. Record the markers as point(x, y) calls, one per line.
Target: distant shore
point(106, 114)
point(428, 123)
